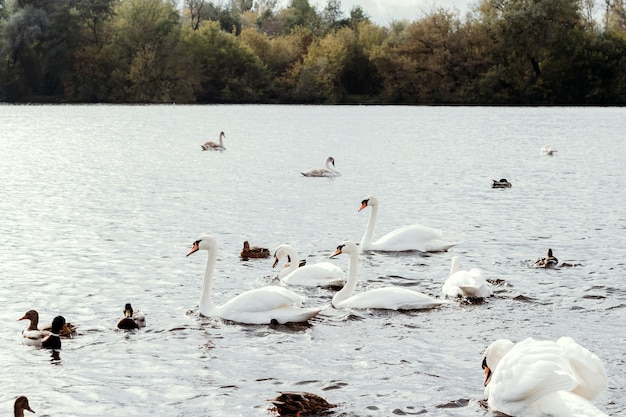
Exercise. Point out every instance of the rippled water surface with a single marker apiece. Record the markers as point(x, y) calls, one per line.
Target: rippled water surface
point(100, 205)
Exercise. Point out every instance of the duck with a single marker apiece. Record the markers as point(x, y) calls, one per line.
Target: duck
point(33, 316)
point(329, 171)
point(321, 274)
point(45, 339)
point(548, 150)
point(212, 146)
point(290, 403)
point(253, 251)
point(21, 404)
point(387, 298)
point(549, 261)
point(407, 238)
point(267, 305)
point(131, 319)
point(502, 183)
point(535, 378)
point(465, 284)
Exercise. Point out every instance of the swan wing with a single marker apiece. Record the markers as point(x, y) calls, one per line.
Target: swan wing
point(587, 369)
point(413, 237)
point(391, 298)
point(319, 274)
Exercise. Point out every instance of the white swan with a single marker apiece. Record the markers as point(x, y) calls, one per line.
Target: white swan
point(329, 171)
point(212, 146)
point(413, 237)
point(259, 306)
point(321, 274)
point(540, 378)
point(464, 283)
point(389, 298)
point(548, 150)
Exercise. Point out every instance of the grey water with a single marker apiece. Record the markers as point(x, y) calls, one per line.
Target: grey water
point(100, 204)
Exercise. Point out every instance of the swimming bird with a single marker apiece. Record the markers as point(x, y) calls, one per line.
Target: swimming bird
point(465, 284)
point(321, 274)
point(292, 403)
point(543, 378)
point(271, 304)
point(131, 319)
point(503, 183)
point(253, 251)
point(549, 261)
point(42, 338)
point(212, 146)
point(389, 298)
point(548, 150)
point(413, 237)
point(33, 316)
point(329, 171)
point(21, 404)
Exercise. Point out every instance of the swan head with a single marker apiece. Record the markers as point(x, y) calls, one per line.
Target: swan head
point(330, 160)
point(348, 247)
point(492, 356)
point(280, 252)
point(205, 242)
point(370, 201)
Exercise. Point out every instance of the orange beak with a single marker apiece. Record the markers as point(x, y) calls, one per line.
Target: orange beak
point(363, 205)
point(337, 252)
point(194, 248)
point(487, 375)
point(275, 262)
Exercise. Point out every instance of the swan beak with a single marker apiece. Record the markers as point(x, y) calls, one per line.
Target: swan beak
point(487, 375)
point(337, 252)
point(363, 205)
point(194, 249)
point(275, 262)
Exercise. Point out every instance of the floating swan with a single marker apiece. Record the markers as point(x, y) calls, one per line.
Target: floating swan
point(465, 284)
point(212, 146)
point(33, 316)
point(259, 306)
point(290, 403)
point(131, 319)
point(503, 183)
point(321, 274)
point(548, 150)
point(329, 171)
point(45, 339)
point(388, 298)
point(253, 251)
point(413, 237)
point(548, 262)
point(543, 378)
point(21, 404)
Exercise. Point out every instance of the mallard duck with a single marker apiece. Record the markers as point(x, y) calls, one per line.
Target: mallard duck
point(329, 171)
point(45, 339)
point(548, 262)
point(212, 146)
point(33, 316)
point(503, 183)
point(131, 319)
point(543, 378)
point(21, 404)
point(253, 251)
point(292, 403)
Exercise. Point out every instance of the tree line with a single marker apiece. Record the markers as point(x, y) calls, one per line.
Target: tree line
point(526, 52)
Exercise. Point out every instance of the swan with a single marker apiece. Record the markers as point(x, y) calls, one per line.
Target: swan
point(259, 306)
point(543, 378)
point(290, 403)
point(21, 404)
point(413, 237)
point(388, 298)
point(212, 146)
point(131, 319)
point(321, 274)
point(253, 251)
point(33, 316)
point(45, 339)
point(329, 171)
point(548, 262)
point(465, 284)
point(548, 150)
point(503, 183)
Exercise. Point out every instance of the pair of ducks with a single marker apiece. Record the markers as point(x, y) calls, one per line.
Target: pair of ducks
point(48, 336)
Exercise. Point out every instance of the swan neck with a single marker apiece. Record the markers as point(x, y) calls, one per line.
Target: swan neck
point(348, 289)
point(455, 266)
point(295, 262)
point(368, 236)
point(206, 302)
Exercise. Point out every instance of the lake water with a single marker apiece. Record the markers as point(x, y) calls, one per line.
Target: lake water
point(100, 205)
